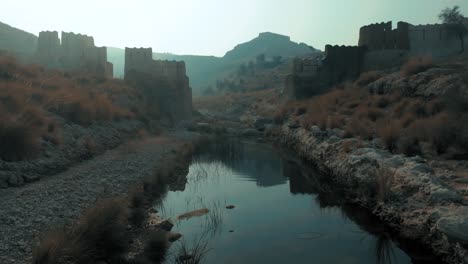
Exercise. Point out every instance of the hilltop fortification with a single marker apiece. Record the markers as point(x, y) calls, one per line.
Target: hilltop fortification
point(380, 47)
point(75, 52)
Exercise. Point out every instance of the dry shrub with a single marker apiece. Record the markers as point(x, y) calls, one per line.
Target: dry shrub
point(408, 143)
point(382, 102)
point(100, 234)
point(18, 141)
point(350, 145)
point(384, 179)
point(359, 128)
point(90, 145)
point(389, 131)
point(367, 78)
point(416, 65)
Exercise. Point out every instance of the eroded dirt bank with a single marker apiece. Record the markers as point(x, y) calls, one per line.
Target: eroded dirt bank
point(403, 192)
point(28, 211)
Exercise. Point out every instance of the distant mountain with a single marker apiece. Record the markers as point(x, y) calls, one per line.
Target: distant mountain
point(269, 44)
point(205, 70)
point(17, 41)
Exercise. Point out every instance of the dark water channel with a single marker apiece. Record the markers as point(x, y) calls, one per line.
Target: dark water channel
point(283, 213)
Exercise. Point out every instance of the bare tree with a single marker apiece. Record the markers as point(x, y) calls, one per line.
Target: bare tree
point(453, 18)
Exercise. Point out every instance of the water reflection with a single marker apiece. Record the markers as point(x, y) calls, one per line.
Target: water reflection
point(285, 212)
point(247, 159)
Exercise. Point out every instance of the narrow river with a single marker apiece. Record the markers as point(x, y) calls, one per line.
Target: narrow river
point(280, 215)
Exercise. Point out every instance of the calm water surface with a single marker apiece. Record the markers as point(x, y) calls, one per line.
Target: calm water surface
point(279, 217)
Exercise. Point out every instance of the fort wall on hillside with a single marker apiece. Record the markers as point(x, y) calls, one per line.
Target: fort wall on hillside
point(75, 52)
point(380, 47)
point(165, 83)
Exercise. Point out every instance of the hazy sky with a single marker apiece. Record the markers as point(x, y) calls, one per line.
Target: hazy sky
point(212, 27)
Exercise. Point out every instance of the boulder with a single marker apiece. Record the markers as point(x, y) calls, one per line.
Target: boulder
point(455, 226)
point(250, 132)
point(166, 225)
point(4, 180)
point(172, 237)
point(15, 180)
point(260, 123)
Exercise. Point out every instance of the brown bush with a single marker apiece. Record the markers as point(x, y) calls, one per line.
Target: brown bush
point(18, 141)
point(384, 180)
point(416, 65)
point(359, 128)
point(389, 131)
point(367, 78)
point(100, 234)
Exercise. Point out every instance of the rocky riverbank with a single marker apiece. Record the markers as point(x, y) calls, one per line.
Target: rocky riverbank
point(403, 192)
point(29, 211)
point(78, 144)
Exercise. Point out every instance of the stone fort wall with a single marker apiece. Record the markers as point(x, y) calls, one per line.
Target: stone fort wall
point(434, 40)
point(75, 52)
point(164, 83)
point(141, 59)
point(381, 36)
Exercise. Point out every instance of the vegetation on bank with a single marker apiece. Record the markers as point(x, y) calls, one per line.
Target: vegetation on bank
point(405, 122)
point(106, 231)
point(35, 103)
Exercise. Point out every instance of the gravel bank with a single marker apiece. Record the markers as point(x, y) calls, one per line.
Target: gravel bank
point(28, 211)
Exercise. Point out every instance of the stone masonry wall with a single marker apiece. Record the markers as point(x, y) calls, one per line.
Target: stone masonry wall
point(164, 83)
point(75, 52)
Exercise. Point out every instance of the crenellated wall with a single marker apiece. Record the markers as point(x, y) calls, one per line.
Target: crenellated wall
point(314, 76)
point(380, 47)
point(141, 59)
point(382, 36)
point(163, 82)
point(48, 49)
point(436, 40)
point(75, 52)
point(423, 40)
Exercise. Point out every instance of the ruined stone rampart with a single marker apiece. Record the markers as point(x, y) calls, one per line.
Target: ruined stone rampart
point(436, 40)
point(48, 49)
point(381, 36)
point(141, 59)
point(75, 52)
point(380, 47)
point(314, 76)
point(163, 82)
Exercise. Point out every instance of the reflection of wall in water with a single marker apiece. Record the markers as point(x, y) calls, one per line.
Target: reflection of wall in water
point(255, 162)
point(306, 180)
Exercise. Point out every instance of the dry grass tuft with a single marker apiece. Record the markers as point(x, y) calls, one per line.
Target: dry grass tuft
point(389, 131)
point(367, 78)
point(384, 179)
point(416, 65)
point(99, 235)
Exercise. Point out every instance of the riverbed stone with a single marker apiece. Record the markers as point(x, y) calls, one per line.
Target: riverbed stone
point(15, 180)
point(166, 225)
point(30, 178)
point(172, 237)
point(250, 132)
point(4, 180)
point(444, 195)
point(260, 123)
point(455, 226)
point(422, 168)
